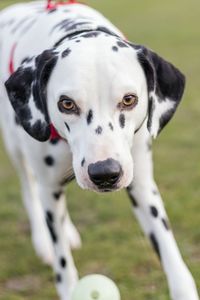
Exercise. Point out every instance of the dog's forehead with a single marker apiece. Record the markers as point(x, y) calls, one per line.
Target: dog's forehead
point(96, 64)
point(98, 53)
point(95, 43)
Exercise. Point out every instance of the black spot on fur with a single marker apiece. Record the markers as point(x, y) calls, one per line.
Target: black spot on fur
point(154, 211)
point(66, 52)
point(155, 244)
point(111, 126)
point(133, 201)
point(122, 120)
point(99, 130)
point(49, 216)
point(68, 128)
point(69, 24)
point(114, 48)
point(78, 25)
point(107, 31)
point(77, 41)
point(83, 162)
point(49, 160)
point(58, 278)
point(137, 130)
point(89, 117)
point(122, 44)
point(63, 262)
point(57, 195)
point(165, 223)
point(51, 11)
point(76, 30)
point(50, 225)
point(91, 34)
point(54, 141)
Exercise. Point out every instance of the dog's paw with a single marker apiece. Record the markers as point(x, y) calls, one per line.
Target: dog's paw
point(185, 294)
point(186, 290)
point(65, 291)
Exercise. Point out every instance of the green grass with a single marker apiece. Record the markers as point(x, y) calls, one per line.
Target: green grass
point(113, 242)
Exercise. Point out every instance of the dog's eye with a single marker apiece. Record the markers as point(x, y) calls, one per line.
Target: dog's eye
point(129, 101)
point(67, 105)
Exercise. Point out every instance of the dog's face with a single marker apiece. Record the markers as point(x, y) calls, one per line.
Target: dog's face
point(97, 99)
point(100, 92)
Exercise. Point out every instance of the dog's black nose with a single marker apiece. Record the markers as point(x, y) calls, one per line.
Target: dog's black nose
point(105, 173)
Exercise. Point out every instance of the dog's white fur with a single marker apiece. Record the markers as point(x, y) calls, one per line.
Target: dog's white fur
point(97, 79)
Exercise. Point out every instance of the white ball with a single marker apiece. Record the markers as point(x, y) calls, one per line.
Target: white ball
point(96, 287)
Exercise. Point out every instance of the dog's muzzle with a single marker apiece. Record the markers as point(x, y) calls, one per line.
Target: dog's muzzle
point(105, 174)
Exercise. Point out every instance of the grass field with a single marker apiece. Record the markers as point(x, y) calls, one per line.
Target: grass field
point(113, 242)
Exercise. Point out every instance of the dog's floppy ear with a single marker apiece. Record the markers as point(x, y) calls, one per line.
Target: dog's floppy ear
point(26, 90)
point(165, 88)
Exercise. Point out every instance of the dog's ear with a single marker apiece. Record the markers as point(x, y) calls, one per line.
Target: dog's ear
point(26, 90)
point(165, 88)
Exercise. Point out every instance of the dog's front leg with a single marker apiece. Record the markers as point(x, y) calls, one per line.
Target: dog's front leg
point(150, 211)
point(64, 268)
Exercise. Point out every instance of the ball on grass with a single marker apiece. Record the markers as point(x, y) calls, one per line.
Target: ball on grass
point(96, 287)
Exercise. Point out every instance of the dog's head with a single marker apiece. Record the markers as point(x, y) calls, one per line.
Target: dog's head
point(97, 90)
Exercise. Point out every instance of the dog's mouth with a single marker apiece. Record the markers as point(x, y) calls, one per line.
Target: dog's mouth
point(106, 188)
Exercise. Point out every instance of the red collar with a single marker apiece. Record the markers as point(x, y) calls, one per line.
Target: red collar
point(54, 134)
point(51, 4)
point(11, 62)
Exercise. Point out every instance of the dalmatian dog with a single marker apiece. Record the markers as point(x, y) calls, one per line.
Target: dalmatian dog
point(79, 100)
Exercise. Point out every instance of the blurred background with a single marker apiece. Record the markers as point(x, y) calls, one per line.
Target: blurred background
point(113, 243)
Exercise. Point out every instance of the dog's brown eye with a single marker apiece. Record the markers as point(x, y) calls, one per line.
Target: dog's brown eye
point(67, 105)
point(129, 101)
